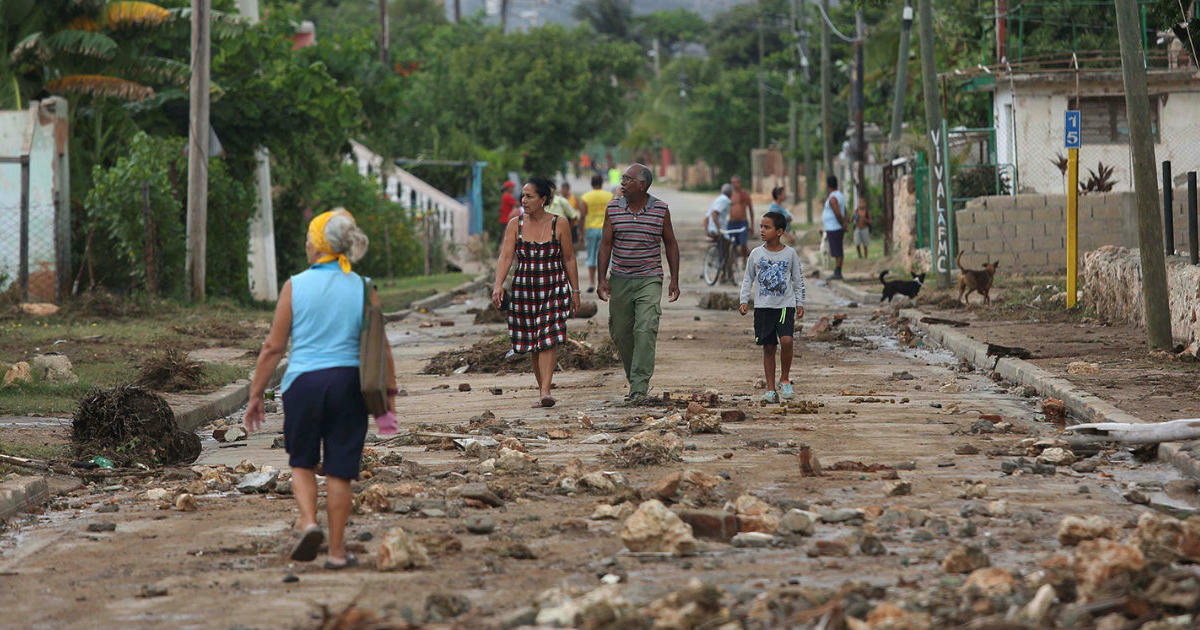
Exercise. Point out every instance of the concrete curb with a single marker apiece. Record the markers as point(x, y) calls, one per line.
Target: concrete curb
point(439, 300)
point(1082, 404)
point(220, 403)
point(22, 494)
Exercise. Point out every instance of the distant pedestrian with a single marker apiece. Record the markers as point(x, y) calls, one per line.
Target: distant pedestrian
point(778, 303)
point(614, 177)
point(545, 286)
point(778, 196)
point(321, 309)
point(862, 228)
point(637, 228)
point(508, 204)
point(595, 202)
point(718, 212)
point(741, 215)
point(833, 219)
point(564, 206)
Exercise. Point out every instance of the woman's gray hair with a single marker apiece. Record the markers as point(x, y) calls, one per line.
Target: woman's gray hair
point(727, 190)
point(345, 237)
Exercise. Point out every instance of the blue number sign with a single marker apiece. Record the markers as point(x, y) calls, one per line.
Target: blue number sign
point(1072, 137)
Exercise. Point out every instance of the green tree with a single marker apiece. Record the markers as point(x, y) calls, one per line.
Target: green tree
point(607, 17)
point(677, 26)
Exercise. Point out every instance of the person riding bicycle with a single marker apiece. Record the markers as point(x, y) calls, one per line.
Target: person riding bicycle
point(718, 212)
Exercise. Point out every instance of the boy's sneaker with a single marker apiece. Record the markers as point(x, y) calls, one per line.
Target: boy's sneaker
point(785, 390)
point(771, 397)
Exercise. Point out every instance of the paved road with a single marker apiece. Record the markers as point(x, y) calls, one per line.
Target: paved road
point(222, 567)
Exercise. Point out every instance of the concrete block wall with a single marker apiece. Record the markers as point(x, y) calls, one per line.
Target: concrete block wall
point(1111, 278)
point(1028, 233)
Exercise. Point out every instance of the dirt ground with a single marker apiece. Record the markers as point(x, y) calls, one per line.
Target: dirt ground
point(224, 565)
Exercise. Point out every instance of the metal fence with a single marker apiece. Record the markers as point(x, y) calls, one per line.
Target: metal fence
point(28, 255)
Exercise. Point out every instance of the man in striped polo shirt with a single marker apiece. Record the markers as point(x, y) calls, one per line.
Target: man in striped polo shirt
point(637, 228)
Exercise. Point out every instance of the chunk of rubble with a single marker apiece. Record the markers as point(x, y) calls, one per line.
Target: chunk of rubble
point(898, 489)
point(965, 559)
point(158, 494)
point(510, 460)
point(1163, 538)
point(799, 522)
point(54, 369)
point(1075, 529)
point(398, 551)
point(990, 582)
point(889, 616)
point(754, 540)
point(756, 515)
point(1083, 367)
point(649, 448)
point(696, 605)
point(185, 503)
point(604, 607)
point(259, 482)
point(705, 424)
point(653, 527)
point(1057, 457)
point(600, 438)
point(1097, 562)
point(480, 492)
point(618, 512)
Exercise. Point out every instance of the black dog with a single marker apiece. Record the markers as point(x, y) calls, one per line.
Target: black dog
point(908, 288)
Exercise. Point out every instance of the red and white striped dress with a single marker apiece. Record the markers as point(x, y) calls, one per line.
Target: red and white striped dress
point(540, 301)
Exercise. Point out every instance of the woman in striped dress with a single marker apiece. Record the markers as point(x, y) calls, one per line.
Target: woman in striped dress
point(545, 287)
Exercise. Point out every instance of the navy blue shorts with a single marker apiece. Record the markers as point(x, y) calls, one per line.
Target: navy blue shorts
point(325, 407)
point(837, 240)
point(739, 238)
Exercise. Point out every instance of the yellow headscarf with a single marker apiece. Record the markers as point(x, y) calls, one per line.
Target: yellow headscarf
point(316, 236)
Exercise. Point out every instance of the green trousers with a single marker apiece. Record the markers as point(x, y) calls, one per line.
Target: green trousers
point(633, 313)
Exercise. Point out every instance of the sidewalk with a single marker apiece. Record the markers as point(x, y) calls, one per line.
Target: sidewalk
point(972, 345)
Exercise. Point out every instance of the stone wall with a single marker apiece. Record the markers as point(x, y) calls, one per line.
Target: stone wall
point(1111, 278)
point(1028, 233)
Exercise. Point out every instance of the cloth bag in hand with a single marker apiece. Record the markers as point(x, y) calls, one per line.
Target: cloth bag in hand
point(372, 360)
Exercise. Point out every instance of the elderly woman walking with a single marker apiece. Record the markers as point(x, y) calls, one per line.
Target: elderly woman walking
point(321, 309)
point(545, 287)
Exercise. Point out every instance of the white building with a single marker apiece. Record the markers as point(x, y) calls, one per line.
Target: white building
point(1029, 108)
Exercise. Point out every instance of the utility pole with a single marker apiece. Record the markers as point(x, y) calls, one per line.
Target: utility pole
point(762, 88)
point(810, 171)
point(860, 153)
point(793, 178)
point(197, 205)
point(385, 53)
point(503, 16)
point(1141, 148)
point(826, 114)
point(901, 78)
point(940, 227)
point(457, 11)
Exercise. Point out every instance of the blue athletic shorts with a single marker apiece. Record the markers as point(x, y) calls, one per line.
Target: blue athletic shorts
point(741, 237)
point(325, 407)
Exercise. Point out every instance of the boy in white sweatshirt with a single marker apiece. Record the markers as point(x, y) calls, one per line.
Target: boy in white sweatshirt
point(778, 303)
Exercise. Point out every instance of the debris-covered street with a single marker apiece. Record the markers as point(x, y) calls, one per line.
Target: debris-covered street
point(902, 488)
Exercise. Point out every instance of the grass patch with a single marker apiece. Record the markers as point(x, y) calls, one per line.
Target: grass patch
point(1015, 298)
point(399, 293)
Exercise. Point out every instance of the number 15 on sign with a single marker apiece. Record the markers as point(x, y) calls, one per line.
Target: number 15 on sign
point(1072, 136)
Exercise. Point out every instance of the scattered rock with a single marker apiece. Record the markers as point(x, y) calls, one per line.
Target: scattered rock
point(1055, 411)
point(480, 492)
point(54, 369)
point(1057, 457)
point(258, 482)
point(756, 515)
point(888, 616)
point(510, 460)
point(18, 373)
point(705, 424)
point(1089, 465)
point(839, 515)
point(965, 559)
point(185, 503)
point(464, 387)
point(105, 526)
point(480, 524)
point(1096, 562)
point(754, 540)
point(696, 605)
point(835, 548)
point(158, 494)
point(809, 465)
point(600, 438)
point(649, 448)
point(966, 449)
point(799, 522)
point(618, 512)
point(733, 415)
point(653, 527)
point(1038, 608)
point(1137, 497)
point(1083, 367)
point(398, 551)
point(1073, 529)
point(442, 606)
point(990, 582)
point(1165, 539)
point(605, 607)
point(898, 489)
point(870, 545)
point(603, 481)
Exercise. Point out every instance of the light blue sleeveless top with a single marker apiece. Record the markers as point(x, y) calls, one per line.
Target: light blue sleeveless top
point(327, 309)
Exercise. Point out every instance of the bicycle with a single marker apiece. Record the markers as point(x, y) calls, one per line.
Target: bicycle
point(721, 258)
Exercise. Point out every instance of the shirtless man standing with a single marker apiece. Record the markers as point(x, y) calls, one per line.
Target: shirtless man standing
point(741, 215)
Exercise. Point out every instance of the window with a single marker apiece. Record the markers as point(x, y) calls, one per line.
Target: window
point(1104, 122)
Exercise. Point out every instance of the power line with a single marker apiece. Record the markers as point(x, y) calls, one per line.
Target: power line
point(833, 28)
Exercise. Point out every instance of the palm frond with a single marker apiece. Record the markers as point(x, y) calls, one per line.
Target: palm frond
point(100, 86)
point(132, 13)
point(32, 48)
point(148, 69)
point(224, 25)
point(83, 23)
point(97, 45)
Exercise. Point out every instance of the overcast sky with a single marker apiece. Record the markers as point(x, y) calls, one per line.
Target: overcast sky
point(539, 12)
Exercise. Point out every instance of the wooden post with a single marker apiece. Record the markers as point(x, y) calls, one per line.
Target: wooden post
point(901, 78)
point(385, 52)
point(1141, 148)
point(149, 236)
point(197, 208)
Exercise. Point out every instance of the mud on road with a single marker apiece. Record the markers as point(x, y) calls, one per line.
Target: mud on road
point(866, 545)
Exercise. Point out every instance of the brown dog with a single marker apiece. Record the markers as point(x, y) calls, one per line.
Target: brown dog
point(977, 280)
